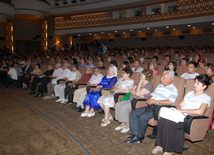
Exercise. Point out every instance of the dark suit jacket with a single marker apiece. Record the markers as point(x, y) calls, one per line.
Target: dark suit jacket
point(30, 69)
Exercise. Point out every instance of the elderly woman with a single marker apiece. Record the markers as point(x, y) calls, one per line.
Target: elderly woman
point(170, 135)
point(123, 85)
point(90, 101)
point(143, 89)
point(26, 80)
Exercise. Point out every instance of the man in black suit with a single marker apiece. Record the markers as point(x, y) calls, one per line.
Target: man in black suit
point(25, 73)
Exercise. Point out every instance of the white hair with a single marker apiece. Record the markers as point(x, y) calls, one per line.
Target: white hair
point(114, 70)
point(171, 74)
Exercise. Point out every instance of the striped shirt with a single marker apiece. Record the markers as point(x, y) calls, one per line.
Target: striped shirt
point(169, 92)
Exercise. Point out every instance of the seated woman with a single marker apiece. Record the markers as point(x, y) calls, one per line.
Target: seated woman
point(143, 89)
point(170, 135)
point(202, 63)
point(153, 66)
point(125, 65)
point(210, 71)
point(123, 85)
point(90, 101)
point(26, 80)
point(172, 65)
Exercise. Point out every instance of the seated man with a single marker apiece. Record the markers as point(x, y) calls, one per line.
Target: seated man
point(46, 79)
point(80, 94)
point(191, 71)
point(69, 90)
point(154, 59)
point(101, 64)
point(90, 64)
point(12, 76)
point(38, 79)
point(184, 64)
point(165, 94)
point(63, 76)
point(59, 89)
point(82, 62)
point(137, 66)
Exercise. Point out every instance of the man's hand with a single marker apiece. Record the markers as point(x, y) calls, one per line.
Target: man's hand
point(151, 101)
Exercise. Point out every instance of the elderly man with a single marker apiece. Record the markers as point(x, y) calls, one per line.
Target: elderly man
point(80, 94)
point(165, 94)
point(69, 90)
point(47, 78)
point(59, 89)
point(137, 66)
point(191, 71)
point(63, 76)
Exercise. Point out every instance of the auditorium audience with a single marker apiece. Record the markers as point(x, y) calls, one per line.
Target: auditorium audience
point(142, 89)
point(172, 65)
point(101, 64)
point(202, 63)
point(170, 135)
point(153, 66)
point(191, 71)
point(12, 77)
point(90, 64)
point(184, 64)
point(125, 64)
point(210, 71)
point(137, 66)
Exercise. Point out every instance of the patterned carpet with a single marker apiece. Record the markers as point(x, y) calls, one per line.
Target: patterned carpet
point(26, 131)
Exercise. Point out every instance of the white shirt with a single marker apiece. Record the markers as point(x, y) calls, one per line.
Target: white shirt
point(169, 92)
point(57, 72)
point(96, 79)
point(139, 70)
point(194, 102)
point(189, 76)
point(66, 73)
point(13, 73)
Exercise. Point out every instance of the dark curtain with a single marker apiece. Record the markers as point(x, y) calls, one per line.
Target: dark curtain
point(27, 46)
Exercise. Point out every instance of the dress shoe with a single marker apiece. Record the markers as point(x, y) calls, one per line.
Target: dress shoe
point(134, 140)
point(84, 115)
point(81, 110)
point(67, 104)
point(59, 100)
point(130, 138)
point(38, 91)
point(39, 95)
point(119, 127)
point(75, 108)
point(91, 115)
point(102, 124)
point(124, 130)
point(31, 93)
point(101, 112)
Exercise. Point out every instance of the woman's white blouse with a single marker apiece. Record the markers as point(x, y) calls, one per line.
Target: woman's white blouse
point(195, 102)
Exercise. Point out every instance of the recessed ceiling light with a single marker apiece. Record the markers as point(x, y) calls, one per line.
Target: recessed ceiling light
point(193, 27)
point(148, 28)
point(131, 30)
point(188, 25)
point(174, 29)
point(102, 32)
point(89, 33)
point(167, 27)
point(115, 31)
point(212, 23)
point(109, 33)
point(95, 34)
point(156, 30)
point(79, 35)
point(124, 32)
point(139, 31)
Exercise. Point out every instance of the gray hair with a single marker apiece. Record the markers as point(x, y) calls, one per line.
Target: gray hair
point(171, 74)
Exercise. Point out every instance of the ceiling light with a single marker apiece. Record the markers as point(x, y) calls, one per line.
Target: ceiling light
point(148, 28)
point(109, 33)
point(79, 35)
point(102, 32)
point(212, 23)
point(95, 34)
point(174, 29)
point(124, 32)
point(139, 31)
point(156, 30)
point(131, 30)
point(89, 33)
point(193, 27)
point(188, 25)
point(73, 1)
point(65, 2)
point(115, 31)
point(167, 27)
point(56, 4)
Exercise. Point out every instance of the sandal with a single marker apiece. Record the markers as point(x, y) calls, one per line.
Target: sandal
point(156, 150)
point(167, 153)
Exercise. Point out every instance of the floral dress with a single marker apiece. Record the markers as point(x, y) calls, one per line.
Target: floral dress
point(125, 85)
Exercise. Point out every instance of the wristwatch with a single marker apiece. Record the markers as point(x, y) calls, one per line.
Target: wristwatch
point(157, 102)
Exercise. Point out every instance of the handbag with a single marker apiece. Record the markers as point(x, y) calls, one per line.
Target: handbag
point(126, 97)
point(211, 126)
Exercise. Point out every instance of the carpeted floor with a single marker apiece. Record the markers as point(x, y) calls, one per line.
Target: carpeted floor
point(25, 131)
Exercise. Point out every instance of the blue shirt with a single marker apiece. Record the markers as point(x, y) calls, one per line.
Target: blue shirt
point(90, 66)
